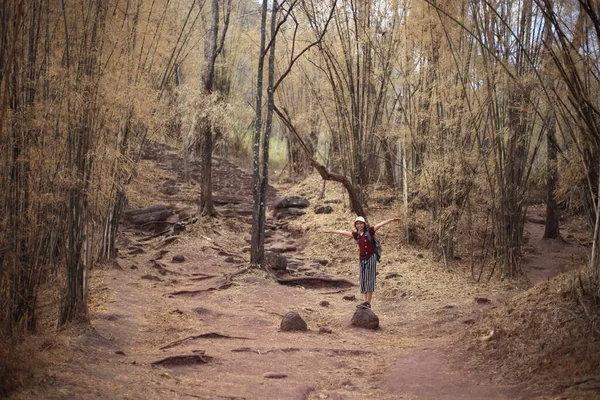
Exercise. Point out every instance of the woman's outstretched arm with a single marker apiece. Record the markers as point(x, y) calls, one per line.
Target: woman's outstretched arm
point(345, 233)
point(387, 221)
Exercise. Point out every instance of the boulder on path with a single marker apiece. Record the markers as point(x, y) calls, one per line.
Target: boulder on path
point(178, 258)
point(291, 202)
point(292, 321)
point(280, 248)
point(276, 262)
point(365, 318)
point(292, 212)
point(140, 216)
point(323, 210)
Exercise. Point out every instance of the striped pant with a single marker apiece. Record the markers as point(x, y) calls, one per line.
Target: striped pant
point(366, 274)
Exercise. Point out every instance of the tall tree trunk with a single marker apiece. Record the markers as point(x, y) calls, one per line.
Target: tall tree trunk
point(183, 128)
point(264, 176)
point(257, 251)
point(207, 206)
point(389, 151)
point(552, 230)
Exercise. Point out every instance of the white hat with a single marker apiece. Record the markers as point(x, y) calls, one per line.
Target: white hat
point(359, 219)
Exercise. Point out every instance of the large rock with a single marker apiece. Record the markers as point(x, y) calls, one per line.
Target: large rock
point(365, 318)
point(275, 261)
point(292, 321)
point(292, 212)
point(143, 216)
point(280, 248)
point(324, 210)
point(291, 201)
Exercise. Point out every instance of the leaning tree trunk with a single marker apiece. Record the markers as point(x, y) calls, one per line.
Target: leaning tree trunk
point(355, 202)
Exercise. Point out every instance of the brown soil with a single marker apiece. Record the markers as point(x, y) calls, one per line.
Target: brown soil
point(220, 319)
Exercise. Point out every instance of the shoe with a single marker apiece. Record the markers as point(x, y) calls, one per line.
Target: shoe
point(366, 304)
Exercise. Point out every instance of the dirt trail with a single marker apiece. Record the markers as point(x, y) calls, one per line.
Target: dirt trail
point(148, 307)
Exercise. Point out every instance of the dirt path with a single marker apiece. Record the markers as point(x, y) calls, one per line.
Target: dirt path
point(148, 307)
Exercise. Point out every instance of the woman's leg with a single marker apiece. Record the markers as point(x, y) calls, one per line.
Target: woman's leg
point(368, 272)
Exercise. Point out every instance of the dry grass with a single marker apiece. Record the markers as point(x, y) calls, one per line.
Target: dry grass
point(541, 336)
point(23, 360)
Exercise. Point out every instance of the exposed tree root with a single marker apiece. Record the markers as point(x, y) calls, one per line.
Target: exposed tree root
point(209, 335)
point(185, 359)
point(311, 281)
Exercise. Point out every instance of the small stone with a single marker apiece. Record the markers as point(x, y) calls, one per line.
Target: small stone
point(120, 352)
point(324, 303)
point(349, 297)
point(365, 318)
point(178, 258)
point(292, 321)
point(482, 300)
point(419, 255)
point(325, 329)
point(179, 227)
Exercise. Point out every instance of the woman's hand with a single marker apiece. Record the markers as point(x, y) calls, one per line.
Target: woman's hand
point(387, 221)
point(345, 233)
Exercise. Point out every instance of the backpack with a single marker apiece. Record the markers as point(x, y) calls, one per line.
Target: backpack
point(375, 244)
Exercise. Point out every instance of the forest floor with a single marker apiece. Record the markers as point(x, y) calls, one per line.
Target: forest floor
point(442, 335)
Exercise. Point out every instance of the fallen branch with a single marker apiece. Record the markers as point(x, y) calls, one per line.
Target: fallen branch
point(170, 230)
point(338, 352)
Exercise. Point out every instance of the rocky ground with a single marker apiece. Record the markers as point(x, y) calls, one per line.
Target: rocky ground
point(180, 314)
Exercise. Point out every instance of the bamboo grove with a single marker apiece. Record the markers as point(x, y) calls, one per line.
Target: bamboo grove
point(461, 108)
point(81, 92)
